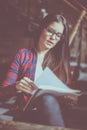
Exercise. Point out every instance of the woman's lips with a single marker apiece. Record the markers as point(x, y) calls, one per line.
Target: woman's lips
point(49, 43)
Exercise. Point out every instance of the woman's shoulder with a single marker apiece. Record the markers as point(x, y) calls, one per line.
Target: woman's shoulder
point(26, 51)
point(25, 54)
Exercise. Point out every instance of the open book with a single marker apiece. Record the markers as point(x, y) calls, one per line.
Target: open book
point(49, 81)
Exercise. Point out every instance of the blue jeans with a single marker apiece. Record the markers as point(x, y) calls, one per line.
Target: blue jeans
point(45, 109)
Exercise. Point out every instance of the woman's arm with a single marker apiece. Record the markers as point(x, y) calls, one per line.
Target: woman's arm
point(12, 74)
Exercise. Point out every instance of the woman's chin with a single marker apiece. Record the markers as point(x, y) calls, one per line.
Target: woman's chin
point(49, 46)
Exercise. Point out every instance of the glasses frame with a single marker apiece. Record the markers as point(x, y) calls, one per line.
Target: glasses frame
point(52, 32)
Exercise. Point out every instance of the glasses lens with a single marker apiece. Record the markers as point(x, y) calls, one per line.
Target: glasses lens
point(58, 35)
point(52, 32)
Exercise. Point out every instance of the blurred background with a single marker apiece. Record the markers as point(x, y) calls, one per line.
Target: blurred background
point(20, 18)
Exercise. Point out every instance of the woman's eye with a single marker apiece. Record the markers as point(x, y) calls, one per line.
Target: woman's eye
point(58, 35)
point(49, 30)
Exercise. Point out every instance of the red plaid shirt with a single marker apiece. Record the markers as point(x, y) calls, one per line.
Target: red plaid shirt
point(24, 64)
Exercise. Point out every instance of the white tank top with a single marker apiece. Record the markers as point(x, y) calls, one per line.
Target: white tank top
point(39, 69)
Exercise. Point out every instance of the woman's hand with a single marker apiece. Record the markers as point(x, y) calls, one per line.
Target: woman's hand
point(67, 101)
point(71, 100)
point(25, 85)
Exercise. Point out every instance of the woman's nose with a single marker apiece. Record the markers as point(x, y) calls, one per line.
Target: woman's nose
point(53, 36)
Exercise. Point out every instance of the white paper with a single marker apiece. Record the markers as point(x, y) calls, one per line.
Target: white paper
point(3, 110)
point(6, 117)
point(49, 81)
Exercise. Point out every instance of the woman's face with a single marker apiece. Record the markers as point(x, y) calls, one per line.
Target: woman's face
point(51, 35)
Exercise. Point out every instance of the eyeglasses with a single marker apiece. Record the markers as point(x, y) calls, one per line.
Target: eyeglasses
point(51, 32)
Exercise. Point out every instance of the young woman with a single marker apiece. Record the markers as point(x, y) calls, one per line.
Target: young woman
point(51, 49)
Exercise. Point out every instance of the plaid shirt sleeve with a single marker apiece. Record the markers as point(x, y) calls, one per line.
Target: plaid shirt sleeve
point(12, 74)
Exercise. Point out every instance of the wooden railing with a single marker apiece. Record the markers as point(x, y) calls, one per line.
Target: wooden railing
point(76, 27)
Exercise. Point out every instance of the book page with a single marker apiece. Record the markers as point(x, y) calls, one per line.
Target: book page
point(49, 81)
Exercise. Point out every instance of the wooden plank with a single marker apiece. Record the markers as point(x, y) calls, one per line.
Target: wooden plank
point(13, 125)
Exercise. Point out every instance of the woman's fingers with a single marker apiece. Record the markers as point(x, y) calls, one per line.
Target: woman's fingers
point(26, 85)
point(72, 100)
point(22, 88)
point(30, 82)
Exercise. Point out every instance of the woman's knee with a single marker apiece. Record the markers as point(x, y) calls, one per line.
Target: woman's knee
point(48, 100)
point(47, 111)
point(50, 107)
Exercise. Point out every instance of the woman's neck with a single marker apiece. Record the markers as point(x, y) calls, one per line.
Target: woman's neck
point(41, 50)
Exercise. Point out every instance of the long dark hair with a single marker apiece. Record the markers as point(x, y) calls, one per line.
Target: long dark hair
point(57, 58)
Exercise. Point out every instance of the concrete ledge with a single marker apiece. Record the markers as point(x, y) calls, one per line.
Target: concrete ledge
point(13, 125)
